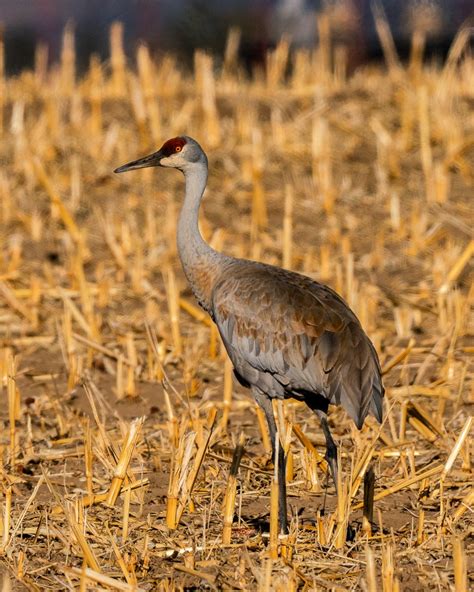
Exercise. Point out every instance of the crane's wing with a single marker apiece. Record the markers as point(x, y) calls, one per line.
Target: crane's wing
point(289, 334)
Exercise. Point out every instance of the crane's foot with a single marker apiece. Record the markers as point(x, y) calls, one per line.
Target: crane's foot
point(331, 458)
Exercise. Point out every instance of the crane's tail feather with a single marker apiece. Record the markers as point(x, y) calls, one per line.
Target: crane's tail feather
point(376, 404)
point(358, 385)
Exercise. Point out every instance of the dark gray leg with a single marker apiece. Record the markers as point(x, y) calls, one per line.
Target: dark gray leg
point(266, 404)
point(331, 448)
point(319, 405)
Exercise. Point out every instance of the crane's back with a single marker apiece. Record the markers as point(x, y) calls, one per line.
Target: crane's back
point(290, 336)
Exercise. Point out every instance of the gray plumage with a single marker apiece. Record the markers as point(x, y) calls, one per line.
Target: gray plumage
point(290, 336)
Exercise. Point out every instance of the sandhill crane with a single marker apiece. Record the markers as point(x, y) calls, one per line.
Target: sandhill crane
point(287, 335)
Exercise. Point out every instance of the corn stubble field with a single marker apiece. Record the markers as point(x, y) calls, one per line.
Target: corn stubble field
point(119, 417)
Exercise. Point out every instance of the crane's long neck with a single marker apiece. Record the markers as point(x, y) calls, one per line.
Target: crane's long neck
point(200, 262)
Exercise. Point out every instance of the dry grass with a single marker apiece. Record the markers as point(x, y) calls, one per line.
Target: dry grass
point(367, 184)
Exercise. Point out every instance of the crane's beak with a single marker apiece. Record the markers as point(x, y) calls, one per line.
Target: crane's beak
point(147, 161)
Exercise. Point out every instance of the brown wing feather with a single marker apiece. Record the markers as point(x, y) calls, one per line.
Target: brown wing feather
point(286, 333)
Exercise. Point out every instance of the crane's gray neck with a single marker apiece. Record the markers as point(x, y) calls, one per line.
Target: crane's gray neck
point(200, 262)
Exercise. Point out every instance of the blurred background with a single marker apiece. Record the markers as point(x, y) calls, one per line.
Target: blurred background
point(181, 26)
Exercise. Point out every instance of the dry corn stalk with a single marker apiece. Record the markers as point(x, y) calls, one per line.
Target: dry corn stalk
point(227, 399)
point(201, 452)
point(125, 457)
point(92, 575)
point(460, 565)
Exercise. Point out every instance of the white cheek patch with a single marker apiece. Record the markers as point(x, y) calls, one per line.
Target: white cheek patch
point(167, 161)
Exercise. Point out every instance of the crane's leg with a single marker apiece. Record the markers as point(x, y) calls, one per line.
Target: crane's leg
point(319, 405)
point(266, 404)
point(331, 448)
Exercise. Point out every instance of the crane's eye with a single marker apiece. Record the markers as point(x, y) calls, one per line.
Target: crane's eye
point(177, 149)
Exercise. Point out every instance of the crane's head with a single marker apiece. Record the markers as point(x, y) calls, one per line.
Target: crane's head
point(177, 153)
